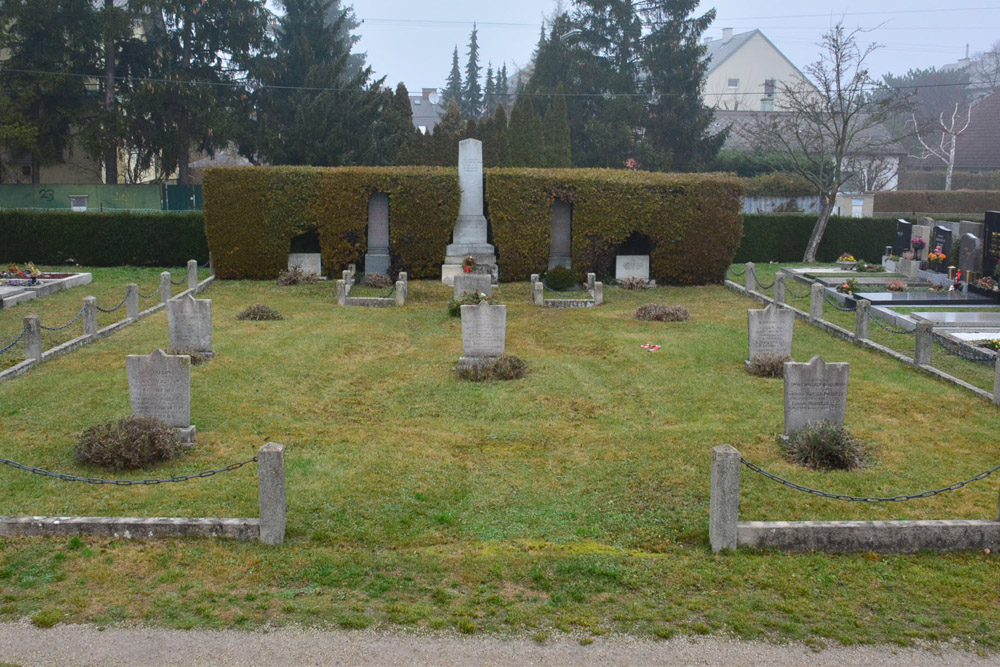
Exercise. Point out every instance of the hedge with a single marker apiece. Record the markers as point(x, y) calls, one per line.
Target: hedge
point(102, 238)
point(960, 180)
point(692, 221)
point(778, 185)
point(783, 238)
point(912, 202)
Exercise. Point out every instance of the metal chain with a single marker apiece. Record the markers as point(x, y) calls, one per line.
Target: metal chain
point(122, 482)
point(968, 356)
point(150, 295)
point(111, 310)
point(65, 326)
point(788, 288)
point(836, 305)
point(888, 327)
point(178, 282)
point(736, 273)
point(761, 285)
point(868, 499)
point(24, 332)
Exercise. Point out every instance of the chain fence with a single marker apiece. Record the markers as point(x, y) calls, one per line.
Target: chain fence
point(738, 274)
point(889, 328)
point(24, 332)
point(833, 302)
point(968, 355)
point(178, 282)
point(788, 288)
point(123, 482)
point(760, 285)
point(111, 310)
point(150, 295)
point(868, 499)
point(65, 326)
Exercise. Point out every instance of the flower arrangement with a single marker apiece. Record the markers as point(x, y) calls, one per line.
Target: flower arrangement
point(869, 268)
point(896, 285)
point(469, 264)
point(937, 255)
point(918, 243)
point(991, 344)
point(22, 277)
point(846, 257)
point(986, 283)
point(849, 287)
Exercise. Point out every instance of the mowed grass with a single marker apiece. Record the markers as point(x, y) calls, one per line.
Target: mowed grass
point(574, 500)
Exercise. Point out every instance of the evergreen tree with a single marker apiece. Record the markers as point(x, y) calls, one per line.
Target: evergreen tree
point(525, 134)
point(444, 146)
point(334, 13)
point(489, 92)
point(502, 87)
point(453, 89)
point(472, 93)
point(402, 133)
point(500, 138)
point(555, 132)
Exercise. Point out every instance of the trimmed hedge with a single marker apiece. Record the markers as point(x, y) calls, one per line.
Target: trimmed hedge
point(692, 221)
point(778, 185)
point(960, 180)
point(936, 201)
point(783, 238)
point(252, 214)
point(102, 238)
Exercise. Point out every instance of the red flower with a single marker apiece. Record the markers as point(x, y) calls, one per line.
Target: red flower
point(467, 269)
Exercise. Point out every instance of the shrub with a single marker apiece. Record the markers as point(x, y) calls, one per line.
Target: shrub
point(912, 202)
point(660, 312)
point(767, 366)
point(129, 443)
point(259, 312)
point(783, 238)
point(559, 278)
point(825, 445)
point(778, 184)
point(507, 367)
point(377, 280)
point(634, 283)
point(296, 276)
point(197, 356)
point(455, 305)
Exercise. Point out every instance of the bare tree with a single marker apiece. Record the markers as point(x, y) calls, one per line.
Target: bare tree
point(949, 129)
point(827, 132)
point(985, 69)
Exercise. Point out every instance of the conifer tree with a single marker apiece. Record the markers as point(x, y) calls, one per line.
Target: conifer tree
point(500, 137)
point(525, 134)
point(489, 92)
point(472, 93)
point(453, 88)
point(502, 87)
point(555, 132)
point(444, 144)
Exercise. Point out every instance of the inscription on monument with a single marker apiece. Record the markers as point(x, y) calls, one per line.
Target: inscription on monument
point(160, 387)
point(770, 331)
point(814, 392)
point(484, 330)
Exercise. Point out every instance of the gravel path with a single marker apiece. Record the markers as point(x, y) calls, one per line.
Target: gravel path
point(24, 644)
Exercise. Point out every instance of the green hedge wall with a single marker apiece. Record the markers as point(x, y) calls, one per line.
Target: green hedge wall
point(960, 180)
point(783, 238)
point(913, 202)
point(102, 239)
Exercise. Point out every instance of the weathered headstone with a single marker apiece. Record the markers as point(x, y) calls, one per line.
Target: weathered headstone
point(770, 332)
point(377, 258)
point(561, 249)
point(159, 386)
point(190, 323)
point(970, 254)
point(814, 392)
point(632, 266)
point(901, 242)
point(470, 236)
point(484, 334)
point(969, 227)
point(473, 283)
point(307, 262)
point(991, 242)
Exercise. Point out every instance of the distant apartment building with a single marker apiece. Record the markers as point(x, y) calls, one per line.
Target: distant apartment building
point(427, 110)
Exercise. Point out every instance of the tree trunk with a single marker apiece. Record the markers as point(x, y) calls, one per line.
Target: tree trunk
point(951, 164)
point(111, 155)
point(183, 170)
point(35, 176)
point(825, 210)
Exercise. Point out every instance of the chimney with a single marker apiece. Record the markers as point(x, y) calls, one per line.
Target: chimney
point(427, 92)
point(727, 34)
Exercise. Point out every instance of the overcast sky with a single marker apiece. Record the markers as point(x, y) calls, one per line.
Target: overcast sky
point(412, 41)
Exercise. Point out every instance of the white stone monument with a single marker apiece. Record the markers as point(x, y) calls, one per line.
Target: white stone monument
point(469, 239)
point(769, 332)
point(308, 262)
point(189, 321)
point(473, 283)
point(484, 334)
point(815, 392)
point(159, 386)
point(632, 266)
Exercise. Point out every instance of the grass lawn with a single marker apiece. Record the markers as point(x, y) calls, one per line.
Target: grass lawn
point(574, 500)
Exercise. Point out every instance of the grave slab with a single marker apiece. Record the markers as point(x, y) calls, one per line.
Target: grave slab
point(632, 266)
point(959, 320)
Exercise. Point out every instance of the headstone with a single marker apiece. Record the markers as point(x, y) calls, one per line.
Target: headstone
point(159, 386)
point(991, 242)
point(969, 227)
point(377, 258)
point(632, 266)
point(921, 232)
point(470, 236)
point(814, 392)
point(770, 331)
point(970, 254)
point(308, 262)
point(561, 250)
point(473, 283)
point(190, 323)
point(942, 237)
point(901, 243)
point(484, 334)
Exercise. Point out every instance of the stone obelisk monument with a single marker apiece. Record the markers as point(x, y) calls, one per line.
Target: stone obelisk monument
point(469, 239)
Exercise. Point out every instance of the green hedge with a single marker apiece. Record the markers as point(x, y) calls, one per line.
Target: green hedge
point(778, 185)
point(960, 180)
point(913, 202)
point(783, 238)
point(102, 239)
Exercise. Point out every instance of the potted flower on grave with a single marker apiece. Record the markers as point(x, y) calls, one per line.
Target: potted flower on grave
point(936, 258)
point(917, 244)
point(469, 264)
point(846, 261)
point(848, 287)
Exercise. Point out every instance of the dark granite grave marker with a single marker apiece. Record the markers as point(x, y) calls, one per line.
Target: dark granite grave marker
point(904, 231)
point(991, 243)
point(941, 236)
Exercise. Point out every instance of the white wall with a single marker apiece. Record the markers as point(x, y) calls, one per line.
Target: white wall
point(755, 62)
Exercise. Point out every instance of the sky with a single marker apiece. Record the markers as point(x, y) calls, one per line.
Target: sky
point(412, 42)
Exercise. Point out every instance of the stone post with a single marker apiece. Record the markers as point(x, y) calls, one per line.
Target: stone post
point(750, 278)
point(341, 293)
point(405, 277)
point(537, 294)
point(132, 301)
point(817, 293)
point(996, 381)
point(925, 340)
point(724, 504)
point(591, 280)
point(862, 321)
point(352, 269)
point(33, 339)
point(348, 277)
point(166, 289)
point(532, 281)
point(90, 316)
point(192, 274)
point(400, 293)
point(779, 288)
point(271, 492)
point(598, 293)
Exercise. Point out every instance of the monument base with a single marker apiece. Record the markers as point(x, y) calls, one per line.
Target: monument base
point(186, 435)
point(377, 263)
point(486, 261)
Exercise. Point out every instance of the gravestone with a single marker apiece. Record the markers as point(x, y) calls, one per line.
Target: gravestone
point(901, 243)
point(770, 332)
point(815, 391)
point(561, 249)
point(970, 254)
point(942, 237)
point(377, 258)
point(991, 243)
point(484, 334)
point(969, 227)
point(473, 283)
point(470, 235)
point(159, 386)
point(308, 262)
point(922, 232)
point(189, 321)
point(632, 266)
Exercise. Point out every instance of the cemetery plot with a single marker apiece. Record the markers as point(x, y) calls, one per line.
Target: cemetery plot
point(15, 290)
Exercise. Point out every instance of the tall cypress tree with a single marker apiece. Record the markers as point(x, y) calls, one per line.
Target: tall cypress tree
point(501, 137)
point(453, 88)
point(472, 94)
point(555, 132)
point(445, 140)
point(489, 92)
point(502, 87)
point(525, 134)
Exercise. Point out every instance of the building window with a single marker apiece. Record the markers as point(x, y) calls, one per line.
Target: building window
point(768, 87)
point(25, 170)
point(734, 83)
point(78, 202)
point(767, 104)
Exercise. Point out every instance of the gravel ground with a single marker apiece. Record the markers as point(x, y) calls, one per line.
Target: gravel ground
point(24, 644)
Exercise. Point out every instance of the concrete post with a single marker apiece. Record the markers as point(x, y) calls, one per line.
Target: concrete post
point(598, 293)
point(341, 293)
point(996, 381)
point(591, 279)
point(33, 339)
point(862, 321)
point(166, 289)
point(924, 343)
point(348, 277)
point(405, 278)
point(750, 278)
point(724, 503)
point(271, 492)
point(817, 293)
point(192, 275)
point(537, 295)
point(132, 301)
point(400, 293)
point(90, 316)
point(532, 281)
point(779, 288)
